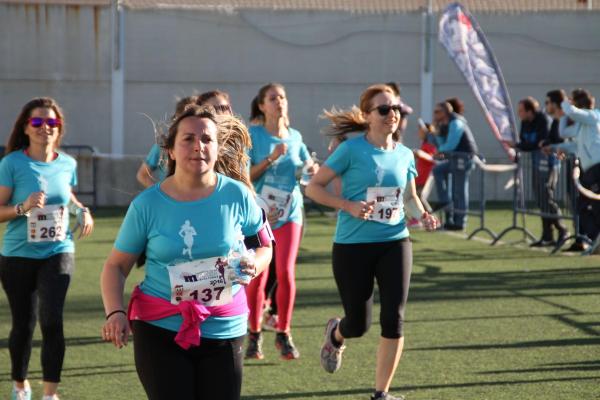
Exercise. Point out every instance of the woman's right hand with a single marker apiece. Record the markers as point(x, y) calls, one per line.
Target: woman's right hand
point(278, 151)
point(35, 200)
point(273, 216)
point(359, 209)
point(116, 330)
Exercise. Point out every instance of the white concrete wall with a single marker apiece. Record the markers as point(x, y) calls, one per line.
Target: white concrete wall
point(323, 59)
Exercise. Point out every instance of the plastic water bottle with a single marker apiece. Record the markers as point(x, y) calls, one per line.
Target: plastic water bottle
point(306, 176)
point(238, 256)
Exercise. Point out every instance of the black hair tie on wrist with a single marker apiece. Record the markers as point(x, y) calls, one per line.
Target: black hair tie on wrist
point(115, 312)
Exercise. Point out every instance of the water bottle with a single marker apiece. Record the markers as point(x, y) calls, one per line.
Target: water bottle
point(238, 256)
point(305, 178)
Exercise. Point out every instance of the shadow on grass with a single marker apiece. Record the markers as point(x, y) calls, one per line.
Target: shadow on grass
point(517, 345)
point(347, 392)
point(69, 342)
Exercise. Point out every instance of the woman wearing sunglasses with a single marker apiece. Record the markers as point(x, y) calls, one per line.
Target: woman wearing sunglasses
point(189, 315)
point(277, 152)
point(36, 193)
point(371, 241)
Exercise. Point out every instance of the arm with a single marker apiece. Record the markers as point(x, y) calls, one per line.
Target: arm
point(84, 217)
point(455, 132)
point(411, 197)
point(317, 191)
point(257, 170)
point(112, 284)
point(9, 212)
point(588, 117)
point(144, 175)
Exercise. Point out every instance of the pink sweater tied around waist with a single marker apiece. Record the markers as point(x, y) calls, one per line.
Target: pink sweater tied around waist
point(149, 308)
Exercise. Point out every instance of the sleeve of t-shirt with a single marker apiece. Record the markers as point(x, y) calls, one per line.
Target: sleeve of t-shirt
point(455, 132)
point(74, 181)
point(304, 153)
point(132, 236)
point(252, 152)
point(6, 175)
point(153, 157)
point(412, 169)
point(253, 220)
point(339, 160)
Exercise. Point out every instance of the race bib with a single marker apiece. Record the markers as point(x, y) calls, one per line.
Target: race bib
point(279, 199)
point(386, 209)
point(48, 224)
point(206, 281)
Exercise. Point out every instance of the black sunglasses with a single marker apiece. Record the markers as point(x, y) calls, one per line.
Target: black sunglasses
point(385, 109)
point(223, 109)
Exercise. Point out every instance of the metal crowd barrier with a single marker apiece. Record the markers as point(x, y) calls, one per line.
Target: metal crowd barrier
point(480, 169)
point(542, 190)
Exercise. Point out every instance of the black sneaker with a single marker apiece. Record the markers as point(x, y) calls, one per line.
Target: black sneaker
point(387, 396)
point(285, 345)
point(254, 346)
point(577, 247)
point(543, 243)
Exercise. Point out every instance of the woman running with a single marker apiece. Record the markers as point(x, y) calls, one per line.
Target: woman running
point(371, 240)
point(189, 315)
point(36, 194)
point(277, 153)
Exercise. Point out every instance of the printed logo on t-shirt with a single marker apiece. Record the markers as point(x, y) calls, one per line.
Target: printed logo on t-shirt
point(187, 233)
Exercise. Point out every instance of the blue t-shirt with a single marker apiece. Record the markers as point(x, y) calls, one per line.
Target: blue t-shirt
point(282, 174)
point(360, 166)
point(154, 222)
point(153, 161)
point(24, 175)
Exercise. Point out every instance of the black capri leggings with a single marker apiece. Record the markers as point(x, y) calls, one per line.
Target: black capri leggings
point(356, 267)
point(212, 370)
point(25, 281)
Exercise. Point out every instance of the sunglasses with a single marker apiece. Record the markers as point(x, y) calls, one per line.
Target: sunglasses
point(37, 122)
point(385, 109)
point(223, 108)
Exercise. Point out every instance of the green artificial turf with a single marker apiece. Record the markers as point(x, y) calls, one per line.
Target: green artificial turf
point(483, 322)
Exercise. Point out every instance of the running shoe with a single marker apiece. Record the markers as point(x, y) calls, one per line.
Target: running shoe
point(270, 322)
point(21, 394)
point(254, 346)
point(387, 396)
point(331, 355)
point(284, 343)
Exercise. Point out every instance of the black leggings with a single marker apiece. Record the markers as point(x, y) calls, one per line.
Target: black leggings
point(212, 370)
point(25, 281)
point(356, 267)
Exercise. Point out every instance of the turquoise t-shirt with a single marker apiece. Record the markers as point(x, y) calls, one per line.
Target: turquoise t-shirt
point(282, 174)
point(24, 175)
point(360, 166)
point(153, 161)
point(172, 231)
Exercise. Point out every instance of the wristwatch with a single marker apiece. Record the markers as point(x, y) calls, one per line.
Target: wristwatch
point(20, 210)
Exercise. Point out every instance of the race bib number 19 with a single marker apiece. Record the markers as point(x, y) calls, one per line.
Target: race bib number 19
point(388, 201)
point(206, 281)
point(48, 224)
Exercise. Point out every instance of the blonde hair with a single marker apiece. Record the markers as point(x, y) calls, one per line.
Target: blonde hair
point(353, 120)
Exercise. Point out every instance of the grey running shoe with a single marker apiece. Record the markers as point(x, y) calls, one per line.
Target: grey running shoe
point(331, 356)
point(254, 346)
point(284, 343)
point(388, 396)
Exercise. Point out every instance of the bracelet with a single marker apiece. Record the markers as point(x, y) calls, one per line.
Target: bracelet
point(81, 210)
point(269, 161)
point(115, 312)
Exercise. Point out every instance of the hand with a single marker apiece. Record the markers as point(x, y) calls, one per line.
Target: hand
point(359, 209)
point(35, 200)
point(313, 169)
point(247, 268)
point(278, 151)
point(116, 330)
point(430, 222)
point(85, 223)
point(272, 216)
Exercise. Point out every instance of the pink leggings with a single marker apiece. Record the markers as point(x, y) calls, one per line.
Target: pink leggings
point(287, 238)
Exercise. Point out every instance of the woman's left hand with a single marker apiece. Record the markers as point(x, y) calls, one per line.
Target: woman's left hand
point(430, 222)
point(85, 223)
